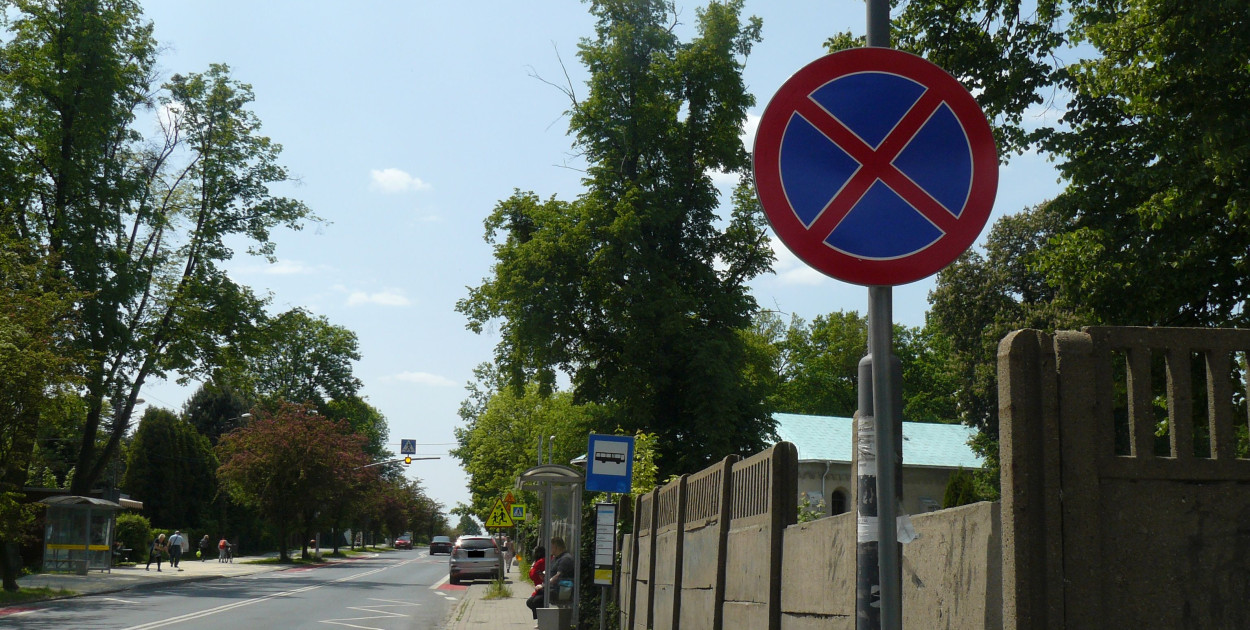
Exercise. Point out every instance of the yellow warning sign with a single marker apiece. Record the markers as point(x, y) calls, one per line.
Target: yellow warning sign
point(499, 516)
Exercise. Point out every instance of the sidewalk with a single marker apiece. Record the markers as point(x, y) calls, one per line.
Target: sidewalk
point(123, 578)
point(475, 612)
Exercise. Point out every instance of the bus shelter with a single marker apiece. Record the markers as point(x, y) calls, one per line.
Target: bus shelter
point(78, 534)
point(561, 490)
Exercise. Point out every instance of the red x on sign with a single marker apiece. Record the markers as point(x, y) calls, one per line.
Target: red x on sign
point(875, 166)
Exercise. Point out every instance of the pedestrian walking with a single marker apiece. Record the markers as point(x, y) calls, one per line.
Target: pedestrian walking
point(509, 553)
point(176, 543)
point(156, 552)
point(221, 550)
point(205, 546)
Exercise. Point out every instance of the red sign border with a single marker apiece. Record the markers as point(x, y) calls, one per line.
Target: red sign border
point(813, 251)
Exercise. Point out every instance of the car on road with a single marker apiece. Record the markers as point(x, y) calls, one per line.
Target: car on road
point(403, 542)
point(475, 557)
point(440, 544)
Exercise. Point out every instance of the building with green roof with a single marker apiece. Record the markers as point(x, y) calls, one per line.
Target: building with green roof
point(931, 452)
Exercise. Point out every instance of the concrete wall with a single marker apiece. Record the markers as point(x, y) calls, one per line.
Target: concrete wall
point(1093, 531)
point(952, 573)
point(1098, 530)
point(687, 533)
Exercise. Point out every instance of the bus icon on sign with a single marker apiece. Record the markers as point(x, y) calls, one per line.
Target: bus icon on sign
point(610, 457)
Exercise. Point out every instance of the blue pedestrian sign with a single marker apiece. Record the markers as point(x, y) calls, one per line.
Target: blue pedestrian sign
point(875, 166)
point(407, 447)
point(610, 463)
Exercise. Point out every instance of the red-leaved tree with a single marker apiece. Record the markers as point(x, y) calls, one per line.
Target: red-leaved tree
point(289, 463)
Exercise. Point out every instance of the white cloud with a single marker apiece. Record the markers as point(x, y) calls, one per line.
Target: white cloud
point(393, 180)
point(749, 126)
point(424, 378)
point(383, 298)
point(791, 270)
point(287, 268)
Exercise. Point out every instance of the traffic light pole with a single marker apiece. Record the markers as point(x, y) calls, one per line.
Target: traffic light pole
point(405, 460)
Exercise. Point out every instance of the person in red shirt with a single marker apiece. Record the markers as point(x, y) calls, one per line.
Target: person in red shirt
point(537, 570)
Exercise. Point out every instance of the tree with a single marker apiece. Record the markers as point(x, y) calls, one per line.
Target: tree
point(365, 421)
point(297, 357)
point(1151, 143)
point(171, 468)
point(820, 364)
point(35, 366)
point(501, 442)
point(976, 302)
point(1158, 205)
point(287, 463)
point(140, 226)
point(215, 409)
point(634, 289)
point(467, 526)
point(818, 367)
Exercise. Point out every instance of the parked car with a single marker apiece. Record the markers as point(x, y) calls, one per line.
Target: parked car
point(440, 544)
point(475, 557)
point(403, 542)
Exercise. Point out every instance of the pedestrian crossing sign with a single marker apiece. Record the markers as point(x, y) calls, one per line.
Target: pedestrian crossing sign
point(499, 517)
point(518, 512)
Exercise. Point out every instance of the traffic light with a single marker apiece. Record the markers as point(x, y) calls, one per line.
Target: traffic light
point(407, 460)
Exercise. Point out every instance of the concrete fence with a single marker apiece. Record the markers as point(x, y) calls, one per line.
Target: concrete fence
point(1124, 501)
point(1125, 504)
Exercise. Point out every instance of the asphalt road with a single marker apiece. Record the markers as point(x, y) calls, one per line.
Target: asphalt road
point(394, 591)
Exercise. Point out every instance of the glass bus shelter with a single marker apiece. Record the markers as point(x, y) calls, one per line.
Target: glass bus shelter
point(561, 490)
point(79, 533)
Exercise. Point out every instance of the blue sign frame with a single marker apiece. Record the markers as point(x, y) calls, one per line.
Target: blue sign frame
point(407, 447)
point(610, 463)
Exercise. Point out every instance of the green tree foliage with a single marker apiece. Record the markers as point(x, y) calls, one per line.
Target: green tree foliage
point(960, 490)
point(976, 302)
point(1004, 52)
point(818, 367)
point(135, 532)
point(365, 421)
point(1155, 152)
point(138, 223)
point(216, 409)
point(287, 463)
point(171, 469)
point(982, 297)
point(34, 366)
point(468, 527)
point(819, 364)
point(502, 441)
point(299, 357)
point(635, 289)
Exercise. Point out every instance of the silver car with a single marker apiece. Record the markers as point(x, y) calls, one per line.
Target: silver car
point(475, 557)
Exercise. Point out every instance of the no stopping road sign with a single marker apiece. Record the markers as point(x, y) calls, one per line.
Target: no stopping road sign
point(875, 166)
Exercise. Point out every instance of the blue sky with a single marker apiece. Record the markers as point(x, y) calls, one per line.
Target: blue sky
point(406, 121)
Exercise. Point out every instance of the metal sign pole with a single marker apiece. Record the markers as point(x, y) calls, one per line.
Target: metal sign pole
point(867, 562)
point(881, 332)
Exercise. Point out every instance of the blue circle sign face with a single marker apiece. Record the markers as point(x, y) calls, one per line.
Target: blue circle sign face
point(875, 166)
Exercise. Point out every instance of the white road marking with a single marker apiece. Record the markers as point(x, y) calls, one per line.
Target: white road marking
point(117, 599)
point(440, 582)
point(385, 614)
point(247, 602)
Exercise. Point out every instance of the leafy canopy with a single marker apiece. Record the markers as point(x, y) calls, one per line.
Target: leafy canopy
point(636, 289)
